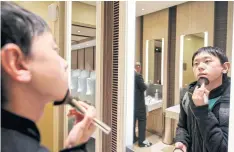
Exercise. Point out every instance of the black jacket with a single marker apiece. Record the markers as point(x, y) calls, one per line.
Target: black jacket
point(21, 135)
point(203, 130)
point(140, 87)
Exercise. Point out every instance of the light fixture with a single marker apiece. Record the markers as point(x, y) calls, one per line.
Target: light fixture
point(157, 49)
point(78, 31)
point(87, 44)
point(142, 9)
point(188, 39)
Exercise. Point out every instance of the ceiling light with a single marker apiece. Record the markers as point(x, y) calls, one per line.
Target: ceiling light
point(188, 39)
point(87, 44)
point(78, 31)
point(142, 9)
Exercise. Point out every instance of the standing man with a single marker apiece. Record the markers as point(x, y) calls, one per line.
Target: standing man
point(139, 108)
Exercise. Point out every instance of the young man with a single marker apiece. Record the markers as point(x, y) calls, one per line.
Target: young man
point(32, 75)
point(204, 127)
point(139, 108)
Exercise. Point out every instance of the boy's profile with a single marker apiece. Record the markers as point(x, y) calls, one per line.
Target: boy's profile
point(32, 75)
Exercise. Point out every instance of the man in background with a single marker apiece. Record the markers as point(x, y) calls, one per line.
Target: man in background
point(139, 108)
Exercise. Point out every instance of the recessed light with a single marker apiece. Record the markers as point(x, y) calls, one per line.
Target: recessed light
point(142, 9)
point(78, 31)
point(188, 39)
point(87, 44)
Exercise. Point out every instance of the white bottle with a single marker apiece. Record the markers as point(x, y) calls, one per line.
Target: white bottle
point(156, 95)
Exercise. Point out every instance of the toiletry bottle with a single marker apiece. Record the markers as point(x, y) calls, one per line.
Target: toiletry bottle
point(156, 95)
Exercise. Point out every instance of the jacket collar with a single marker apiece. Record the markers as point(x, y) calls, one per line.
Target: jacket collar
point(14, 122)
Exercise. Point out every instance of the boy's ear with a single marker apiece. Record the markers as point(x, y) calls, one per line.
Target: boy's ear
point(226, 67)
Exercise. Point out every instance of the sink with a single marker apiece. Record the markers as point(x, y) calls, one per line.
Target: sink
point(152, 104)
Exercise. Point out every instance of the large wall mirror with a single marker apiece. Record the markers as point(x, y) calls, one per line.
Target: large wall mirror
point(189, 44)
point(154, 61)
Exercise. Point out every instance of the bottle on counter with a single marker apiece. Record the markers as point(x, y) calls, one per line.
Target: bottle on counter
point(156, 95)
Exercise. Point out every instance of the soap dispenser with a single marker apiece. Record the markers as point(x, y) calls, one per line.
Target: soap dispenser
point(156, 95)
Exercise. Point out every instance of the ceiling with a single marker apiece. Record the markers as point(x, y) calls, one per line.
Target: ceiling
point(153, 6)
point(147, 6)
point(82, 33)
point(84, 36)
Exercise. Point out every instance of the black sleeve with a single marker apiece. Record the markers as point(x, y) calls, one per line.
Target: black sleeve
point(182, 134)
point(81, 148)
point(213, 131)
point(140, 82)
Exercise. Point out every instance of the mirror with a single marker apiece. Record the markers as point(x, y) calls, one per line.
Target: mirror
point(154, 61)
point(189, 44)
point(153, 78)
point(83, 58)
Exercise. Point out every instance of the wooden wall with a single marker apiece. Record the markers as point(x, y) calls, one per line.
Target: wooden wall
point(83, 58)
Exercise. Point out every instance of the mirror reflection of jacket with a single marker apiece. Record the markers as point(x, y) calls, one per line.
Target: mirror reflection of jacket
point(201, 129)
point(140, 87)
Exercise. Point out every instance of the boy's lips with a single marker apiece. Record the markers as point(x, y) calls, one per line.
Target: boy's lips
point(202, 75)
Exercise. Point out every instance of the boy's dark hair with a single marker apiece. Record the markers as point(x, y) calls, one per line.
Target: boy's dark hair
point(19, 26)
point(215, 51)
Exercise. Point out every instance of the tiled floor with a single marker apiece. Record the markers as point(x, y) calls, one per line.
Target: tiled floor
point(158, 145)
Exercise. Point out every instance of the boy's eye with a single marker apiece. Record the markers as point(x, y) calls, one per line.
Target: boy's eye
point(207, 61)
point(195, 64)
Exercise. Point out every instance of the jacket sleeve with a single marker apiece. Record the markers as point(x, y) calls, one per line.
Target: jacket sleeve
point(213, 131)
point(81, 148)
point(182, 134)
point(140, 83)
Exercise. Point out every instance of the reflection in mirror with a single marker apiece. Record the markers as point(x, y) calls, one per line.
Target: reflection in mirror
point(83, 58)
point(189, 44)
point(153, 77)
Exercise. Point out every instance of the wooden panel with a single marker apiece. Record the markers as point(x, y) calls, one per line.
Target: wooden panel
point(192, 17)
point(81, 59)
point(171, 55)
point(115, 76)
point(107, 72)
point(220, 24)
point(74, 60)
point(155, 122)
point(89, 58)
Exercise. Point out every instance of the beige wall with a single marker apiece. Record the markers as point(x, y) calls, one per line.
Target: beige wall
point(190, 46)
point(138, 39)
point(155, 26)
point(151, 59)
point(83, 13)
point(192, 17)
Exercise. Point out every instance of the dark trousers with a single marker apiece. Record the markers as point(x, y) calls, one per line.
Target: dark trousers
point(140, 115)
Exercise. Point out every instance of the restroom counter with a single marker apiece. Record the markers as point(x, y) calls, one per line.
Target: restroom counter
point(154, 117)
point(171, 120)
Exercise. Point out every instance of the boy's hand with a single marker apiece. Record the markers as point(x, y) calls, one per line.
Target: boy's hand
point(84, 128)
point(180, 145)
point(199, 94)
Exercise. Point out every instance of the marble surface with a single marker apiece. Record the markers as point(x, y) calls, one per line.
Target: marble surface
point(173, 112)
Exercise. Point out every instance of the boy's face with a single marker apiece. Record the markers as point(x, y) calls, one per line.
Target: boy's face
point(48, 69)
point(43, 72)
point(208, 66)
